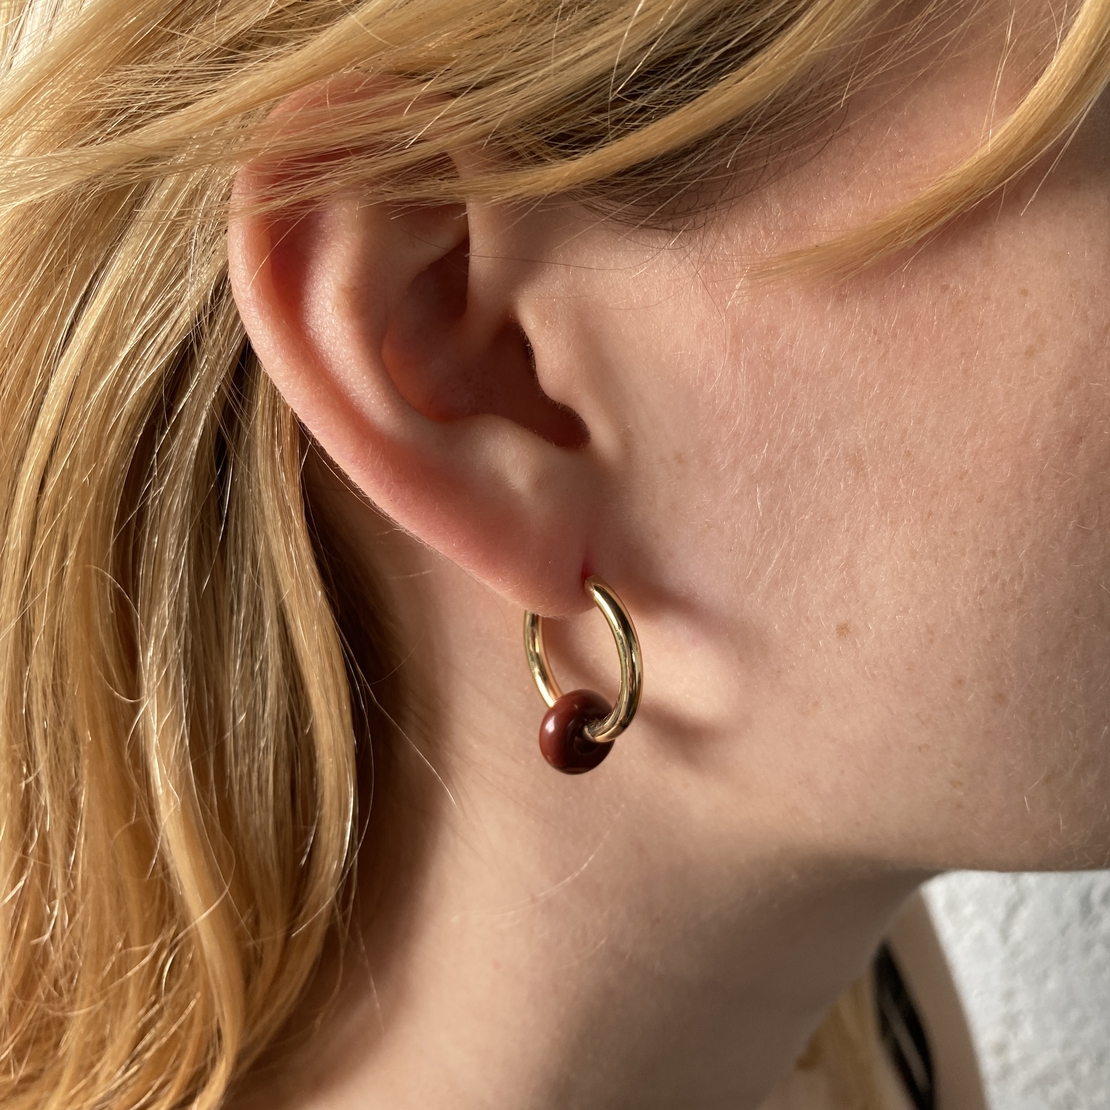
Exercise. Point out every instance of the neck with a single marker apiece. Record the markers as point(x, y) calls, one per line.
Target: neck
point(582, 978)
point(540, 940)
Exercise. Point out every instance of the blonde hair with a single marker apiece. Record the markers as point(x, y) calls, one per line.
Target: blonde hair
point(178, 703)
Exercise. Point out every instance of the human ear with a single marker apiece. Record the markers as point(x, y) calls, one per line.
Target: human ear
point(393, 334)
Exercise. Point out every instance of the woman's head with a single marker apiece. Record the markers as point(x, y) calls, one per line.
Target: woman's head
point(838, 503)
point(862, 509)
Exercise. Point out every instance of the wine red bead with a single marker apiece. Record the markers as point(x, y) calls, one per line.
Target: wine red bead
point(562, 741)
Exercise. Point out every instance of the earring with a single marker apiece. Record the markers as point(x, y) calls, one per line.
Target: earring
point(579, 728)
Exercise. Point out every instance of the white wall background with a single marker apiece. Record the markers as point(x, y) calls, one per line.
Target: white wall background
point(1031, 958)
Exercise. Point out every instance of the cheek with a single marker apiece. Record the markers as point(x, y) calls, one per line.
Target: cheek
point(978, 481)
point(896, 500)
point(990, 527)
point(1007, 546)
point(980, 564)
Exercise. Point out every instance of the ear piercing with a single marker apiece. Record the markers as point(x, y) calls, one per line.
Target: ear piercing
point(579, 728)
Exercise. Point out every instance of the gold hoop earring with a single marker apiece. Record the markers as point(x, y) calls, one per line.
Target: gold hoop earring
point(579, 728)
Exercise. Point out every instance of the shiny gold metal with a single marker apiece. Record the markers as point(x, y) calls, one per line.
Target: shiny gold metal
point(628, 654)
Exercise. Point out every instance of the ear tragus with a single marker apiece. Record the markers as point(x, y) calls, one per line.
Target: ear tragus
point(450, 363)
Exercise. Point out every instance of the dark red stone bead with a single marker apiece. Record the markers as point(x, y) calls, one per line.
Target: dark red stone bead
point(562, 741)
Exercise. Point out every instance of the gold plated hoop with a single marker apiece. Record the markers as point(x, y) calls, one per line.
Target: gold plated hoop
point(608, 728)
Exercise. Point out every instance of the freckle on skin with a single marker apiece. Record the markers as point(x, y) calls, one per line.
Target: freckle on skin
point(843, 630)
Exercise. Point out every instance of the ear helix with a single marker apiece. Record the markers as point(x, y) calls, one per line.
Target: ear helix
point(579, 728)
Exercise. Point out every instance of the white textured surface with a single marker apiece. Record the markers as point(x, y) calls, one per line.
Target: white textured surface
point(1031, 958)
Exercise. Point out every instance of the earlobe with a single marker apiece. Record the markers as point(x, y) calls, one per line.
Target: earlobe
point(418, 380)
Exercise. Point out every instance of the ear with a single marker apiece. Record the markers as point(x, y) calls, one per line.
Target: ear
point(394, 337)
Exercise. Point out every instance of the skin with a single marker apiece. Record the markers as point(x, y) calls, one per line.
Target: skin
point(859, 525)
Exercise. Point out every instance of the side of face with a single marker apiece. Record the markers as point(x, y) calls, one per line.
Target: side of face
point(868, 518)
point(859, 523)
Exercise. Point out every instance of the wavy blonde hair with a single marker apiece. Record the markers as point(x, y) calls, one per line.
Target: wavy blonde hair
point(178, 703)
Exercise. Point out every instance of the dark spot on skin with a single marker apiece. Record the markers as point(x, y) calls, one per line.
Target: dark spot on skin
point(945, 287)
point(958, 682)
point(843, 630)
point(1000, 698)
point(1023, 292)
point(956, 784)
